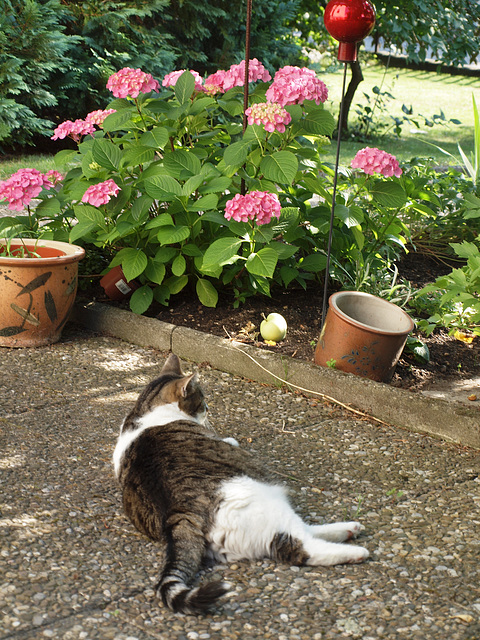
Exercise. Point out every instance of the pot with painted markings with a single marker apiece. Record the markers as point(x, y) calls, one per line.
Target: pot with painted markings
point(38, 286)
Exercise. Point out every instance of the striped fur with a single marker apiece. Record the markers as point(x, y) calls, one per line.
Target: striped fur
point(207, 497)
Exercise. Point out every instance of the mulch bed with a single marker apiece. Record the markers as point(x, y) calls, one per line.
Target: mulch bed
point(450, 359)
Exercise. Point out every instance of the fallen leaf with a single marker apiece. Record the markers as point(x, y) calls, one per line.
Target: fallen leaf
point(464, 337)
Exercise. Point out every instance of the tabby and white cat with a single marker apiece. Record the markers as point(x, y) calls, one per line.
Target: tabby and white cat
point(207, 498)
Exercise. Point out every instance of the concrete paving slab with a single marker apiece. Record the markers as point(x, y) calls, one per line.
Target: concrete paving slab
point(74, 568)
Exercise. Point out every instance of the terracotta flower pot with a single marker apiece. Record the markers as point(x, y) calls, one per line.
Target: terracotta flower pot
point(363, 334)
point(116, 285)
point(37, 294)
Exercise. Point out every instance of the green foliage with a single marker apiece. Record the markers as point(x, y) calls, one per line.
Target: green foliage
point(472, 165)
point(418, 349)
point(374, 118)
point(457, 294)
point(442, 216)
point(211, 35)
point(453, 300)
point(369, 231)
point(57, 52)
point(33, 50)
point(178, 157)
point(449, 28)
point(108, 35)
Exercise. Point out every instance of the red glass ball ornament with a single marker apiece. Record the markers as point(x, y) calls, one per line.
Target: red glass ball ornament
point(349, 22)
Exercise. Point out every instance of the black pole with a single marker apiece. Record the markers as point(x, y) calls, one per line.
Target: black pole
point(332, 214)
point(245, 87)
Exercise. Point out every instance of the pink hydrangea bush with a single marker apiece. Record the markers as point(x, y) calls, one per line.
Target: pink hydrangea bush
point(160, 164)
point(272, 116)
point(372, 160)
point(97, 117)
point(294, 85)
point(130, 82)
point(222, 81)
point(259, 206)
point(74, 130)
point(170, 80)
point(101, 193)
point(235, 76)
point(54, 176)
point(214, 82)
point(21, 187)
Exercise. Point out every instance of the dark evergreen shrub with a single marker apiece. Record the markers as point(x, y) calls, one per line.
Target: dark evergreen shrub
point(56, 55)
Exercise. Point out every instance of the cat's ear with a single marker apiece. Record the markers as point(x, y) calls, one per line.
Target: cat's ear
point(187, 383)
point(172, 365)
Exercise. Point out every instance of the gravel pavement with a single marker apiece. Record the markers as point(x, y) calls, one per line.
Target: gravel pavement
point(72, 566)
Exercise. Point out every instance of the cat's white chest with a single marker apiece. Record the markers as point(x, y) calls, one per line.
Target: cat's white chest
point(159, 416)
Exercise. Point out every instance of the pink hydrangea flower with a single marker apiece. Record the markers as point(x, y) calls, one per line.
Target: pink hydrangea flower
point(372, 160)
point(260, 206)
point(131, 82)
point(97, 117)
point(54, 176)
point(294, 85)
point(272, 116)
point(74, 129)
point(170, 80)
point(214, 82)
point(222, 81)
point(235, 76)
point(100, 193)
point(22, 186)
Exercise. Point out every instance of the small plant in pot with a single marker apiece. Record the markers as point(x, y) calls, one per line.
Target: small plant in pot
point(38, 277)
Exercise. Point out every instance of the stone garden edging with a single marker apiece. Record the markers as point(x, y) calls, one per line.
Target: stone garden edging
point(452, 422)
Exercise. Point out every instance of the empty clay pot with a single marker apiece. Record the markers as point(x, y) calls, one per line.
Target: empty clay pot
point(37, 293)
point(363, 334)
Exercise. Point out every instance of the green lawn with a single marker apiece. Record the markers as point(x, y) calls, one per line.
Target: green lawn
point(32, 161)
point(426, 92)
point(429, 94)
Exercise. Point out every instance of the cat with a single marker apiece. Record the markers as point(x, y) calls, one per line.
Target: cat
point(206, 497)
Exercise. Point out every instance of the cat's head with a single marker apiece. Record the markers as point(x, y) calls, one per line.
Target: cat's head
point(173, 387)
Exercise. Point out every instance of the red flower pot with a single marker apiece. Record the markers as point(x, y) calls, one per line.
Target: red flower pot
point(116, 286)
point(363, 334)
point(37, 293)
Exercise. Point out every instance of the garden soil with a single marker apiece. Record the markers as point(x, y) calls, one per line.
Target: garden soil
point(451, 360)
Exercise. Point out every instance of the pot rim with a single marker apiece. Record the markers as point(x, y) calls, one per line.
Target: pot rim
point(336, 297)
point(69, 252)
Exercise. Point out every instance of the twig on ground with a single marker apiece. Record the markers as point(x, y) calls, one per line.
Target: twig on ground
point(318, 393)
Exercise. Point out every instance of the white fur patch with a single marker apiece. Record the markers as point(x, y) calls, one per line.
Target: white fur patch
point(231, 441)
point(161, 415)
point(252, 513)
point(249, 517)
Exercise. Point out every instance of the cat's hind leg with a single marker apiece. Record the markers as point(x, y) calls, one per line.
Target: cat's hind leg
point(337, 531)
point(255, 520)
point(307, 550)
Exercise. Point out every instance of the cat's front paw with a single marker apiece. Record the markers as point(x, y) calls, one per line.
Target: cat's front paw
point(231, 441)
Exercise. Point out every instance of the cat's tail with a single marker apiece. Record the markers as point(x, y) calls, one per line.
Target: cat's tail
point(178, 597)
point(184, 555)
